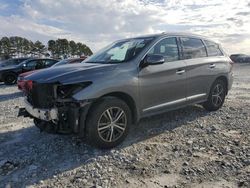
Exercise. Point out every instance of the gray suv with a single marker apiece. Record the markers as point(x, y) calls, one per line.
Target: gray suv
point(128, 80)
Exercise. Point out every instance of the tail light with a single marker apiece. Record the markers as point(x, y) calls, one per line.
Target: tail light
point(29, 85)
point(231, 63)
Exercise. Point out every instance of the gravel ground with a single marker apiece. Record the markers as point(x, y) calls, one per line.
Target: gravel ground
point(184, 148)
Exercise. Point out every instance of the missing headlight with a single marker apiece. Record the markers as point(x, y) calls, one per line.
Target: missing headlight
point(66, 91)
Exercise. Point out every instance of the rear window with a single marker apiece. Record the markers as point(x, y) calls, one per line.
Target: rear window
point(193, 48)
point(213, 48)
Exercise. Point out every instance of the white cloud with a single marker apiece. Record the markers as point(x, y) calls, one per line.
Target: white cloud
point(101, 21)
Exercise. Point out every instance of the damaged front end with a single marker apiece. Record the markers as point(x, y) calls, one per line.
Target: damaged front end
point(52, 106)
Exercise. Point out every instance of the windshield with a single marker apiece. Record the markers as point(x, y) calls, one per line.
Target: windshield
point(120, 51)
point(62, 62)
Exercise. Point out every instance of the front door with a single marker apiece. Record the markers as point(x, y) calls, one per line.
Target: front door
point(163, 86)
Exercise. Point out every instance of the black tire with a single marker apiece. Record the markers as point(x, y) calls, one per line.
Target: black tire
point(10, 79)
point(97, 119)
point(214, 103)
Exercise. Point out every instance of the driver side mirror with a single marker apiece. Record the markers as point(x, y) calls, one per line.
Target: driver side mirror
point(153, 60)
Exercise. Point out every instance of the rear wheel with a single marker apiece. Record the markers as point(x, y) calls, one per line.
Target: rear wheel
point(10, 79)
point(216, 96)
point(108, 123)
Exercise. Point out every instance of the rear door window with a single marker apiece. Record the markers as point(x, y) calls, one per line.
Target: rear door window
point(167, 48)
point(212, 48)
point(193, 48)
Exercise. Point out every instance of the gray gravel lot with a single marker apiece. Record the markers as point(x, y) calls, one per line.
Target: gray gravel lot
point(184, 148)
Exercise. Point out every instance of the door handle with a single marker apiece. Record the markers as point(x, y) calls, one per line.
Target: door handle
point(180, 71)
point(211, 66)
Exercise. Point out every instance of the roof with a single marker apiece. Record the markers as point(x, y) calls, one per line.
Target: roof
point(167, 34)
point(175, 34)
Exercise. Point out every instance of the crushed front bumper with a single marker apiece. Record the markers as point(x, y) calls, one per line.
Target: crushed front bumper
point(69, 117)
point(43, 114)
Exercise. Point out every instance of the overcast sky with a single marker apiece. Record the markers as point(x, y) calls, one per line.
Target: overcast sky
point(100, 22)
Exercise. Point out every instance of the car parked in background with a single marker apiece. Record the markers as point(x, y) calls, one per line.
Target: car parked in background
point(21, 81)
point(247, 59)
point(9, 74)
point(12, 62)
point(240, 58)
point(70, 61)
point(126, 81)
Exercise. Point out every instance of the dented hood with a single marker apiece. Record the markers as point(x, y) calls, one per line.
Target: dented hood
point(71, 73)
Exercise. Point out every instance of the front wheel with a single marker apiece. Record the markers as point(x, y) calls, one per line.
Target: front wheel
point(10, 79)
point(216, 96)
point(108, 123)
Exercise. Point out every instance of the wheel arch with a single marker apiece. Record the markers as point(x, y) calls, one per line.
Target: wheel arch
point(123, 96)
point(225, 80)
point(9, 73)
point(128, 100)
point(120, 95)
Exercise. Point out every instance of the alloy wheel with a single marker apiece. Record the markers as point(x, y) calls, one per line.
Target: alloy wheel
point(112, 124)
point(218, 95)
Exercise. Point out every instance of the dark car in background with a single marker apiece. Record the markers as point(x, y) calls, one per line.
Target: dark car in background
point(21, 81)
point(12, 62)
point(9, 74)
point(240, 58)
point(128, 80)
point(70, 61)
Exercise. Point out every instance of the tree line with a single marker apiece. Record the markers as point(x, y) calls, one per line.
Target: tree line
point(21, 47)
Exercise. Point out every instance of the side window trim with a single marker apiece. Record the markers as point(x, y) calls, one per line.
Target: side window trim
point(177, 43)
point(221, 50)
point(203, 42)
point(181, 48)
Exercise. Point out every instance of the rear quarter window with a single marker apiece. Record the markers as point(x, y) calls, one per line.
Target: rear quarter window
point(193, 48)
point(213, 49)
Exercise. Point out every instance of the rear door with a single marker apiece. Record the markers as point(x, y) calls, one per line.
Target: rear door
point(218, 64)
point(197, 71)
point(163, 86)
